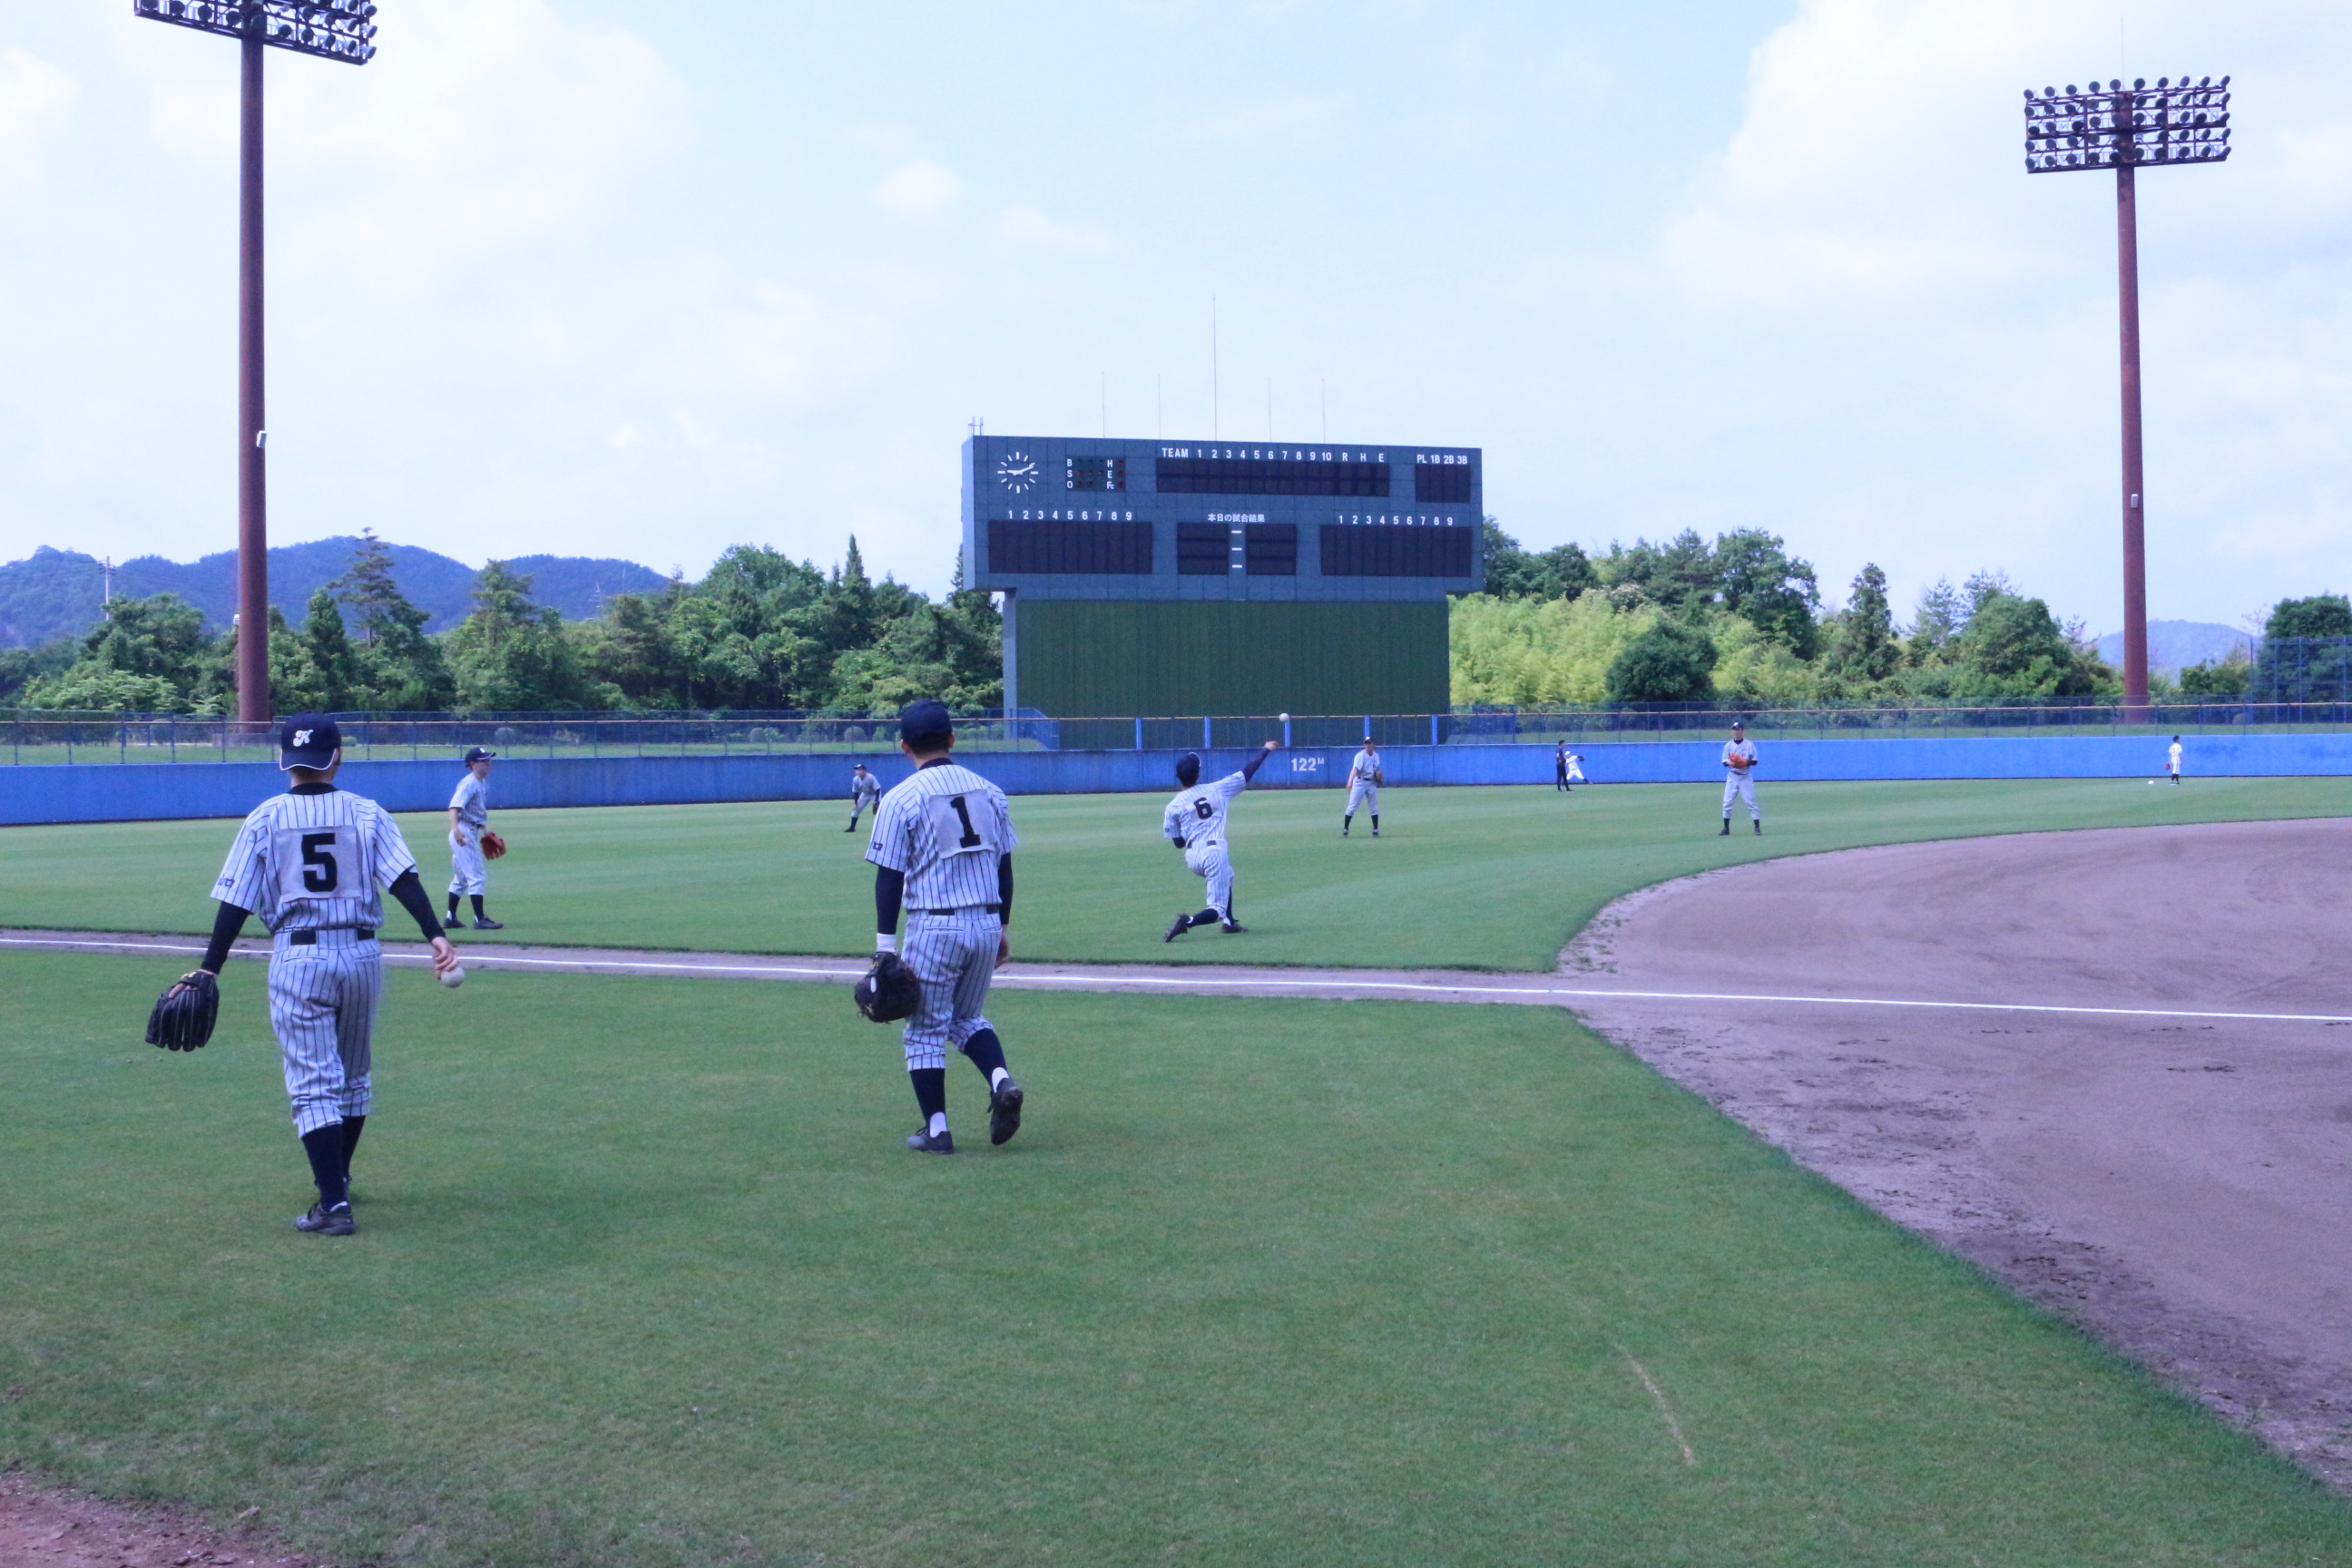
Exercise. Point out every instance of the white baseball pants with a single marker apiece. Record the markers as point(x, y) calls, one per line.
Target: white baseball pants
point(1365, 794)
point(1208, 862)
point(954, 955)
point(1741, 786)
point(322, 1005)
point(466, 872)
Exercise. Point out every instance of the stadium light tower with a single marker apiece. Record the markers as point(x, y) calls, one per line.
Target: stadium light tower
point(331, 29)
point(2123, 128)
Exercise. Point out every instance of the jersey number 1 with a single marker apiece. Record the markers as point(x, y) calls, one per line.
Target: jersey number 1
point(970, 838)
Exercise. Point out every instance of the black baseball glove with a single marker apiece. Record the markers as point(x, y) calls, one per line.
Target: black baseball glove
point(890, 990)
point(184, 1015)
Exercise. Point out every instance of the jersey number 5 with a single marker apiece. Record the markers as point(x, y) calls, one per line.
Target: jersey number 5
point(318, 866)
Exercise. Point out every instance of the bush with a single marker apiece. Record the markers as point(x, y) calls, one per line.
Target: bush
point(1671, 662)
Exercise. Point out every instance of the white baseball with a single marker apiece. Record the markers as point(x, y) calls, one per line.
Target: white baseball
point(1285, 718)
point(453, 976)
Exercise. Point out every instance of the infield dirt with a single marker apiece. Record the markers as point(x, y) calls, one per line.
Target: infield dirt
point(2182, 1189)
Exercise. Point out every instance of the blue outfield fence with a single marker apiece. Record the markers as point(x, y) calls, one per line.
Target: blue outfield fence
point(116, 792)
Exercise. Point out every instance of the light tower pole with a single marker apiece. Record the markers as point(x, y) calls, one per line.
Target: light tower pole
point(330, 29)
point(2121, 128)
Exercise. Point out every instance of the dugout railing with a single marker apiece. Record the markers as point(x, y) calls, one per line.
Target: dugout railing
point(35, 736)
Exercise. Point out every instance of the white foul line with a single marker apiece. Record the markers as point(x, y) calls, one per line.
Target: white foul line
point(1098, 981)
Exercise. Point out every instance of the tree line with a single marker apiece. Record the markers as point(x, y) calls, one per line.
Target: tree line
point(759, 631)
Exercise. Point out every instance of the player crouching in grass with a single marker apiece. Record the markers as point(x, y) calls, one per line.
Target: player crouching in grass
point(1196, 822)
point(309, 862)
point(942, 850)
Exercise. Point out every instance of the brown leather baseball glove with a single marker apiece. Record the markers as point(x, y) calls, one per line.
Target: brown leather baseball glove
point(493, 846)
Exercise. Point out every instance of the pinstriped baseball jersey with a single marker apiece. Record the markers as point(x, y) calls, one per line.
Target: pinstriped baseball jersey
point(945, 828)
point(1365, 765)
point(314, 862)
point(472, 800)
point(1196, 815)
point(865, 787)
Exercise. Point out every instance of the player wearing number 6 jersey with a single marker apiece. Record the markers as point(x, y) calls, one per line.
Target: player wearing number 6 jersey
point(1195, 821)
point(310, 862)
point(942, 849)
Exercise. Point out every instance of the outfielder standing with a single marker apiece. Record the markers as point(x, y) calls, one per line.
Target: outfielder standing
point(2172, 759)
point(864, 790)
point(942, 849)
point(1364, 777)
point(1195, 821)
point(1739, 777)
point(470, 822)
point(309, 862)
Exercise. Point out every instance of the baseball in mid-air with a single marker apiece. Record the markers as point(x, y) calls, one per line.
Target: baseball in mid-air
point(1285, 718)
point(453, 976)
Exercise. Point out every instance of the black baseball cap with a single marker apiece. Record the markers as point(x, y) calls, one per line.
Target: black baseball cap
point(924, 723)
point(478, 754)
point(307, 741)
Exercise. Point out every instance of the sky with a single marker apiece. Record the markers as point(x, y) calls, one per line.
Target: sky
point(648, 280)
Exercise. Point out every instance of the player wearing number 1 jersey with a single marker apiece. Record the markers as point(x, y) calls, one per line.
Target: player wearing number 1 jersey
point(310, 862)
point(942, 849)
point(1196, 822)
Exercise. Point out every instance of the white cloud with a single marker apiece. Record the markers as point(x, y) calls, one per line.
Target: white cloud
point(918, 189)
point(1026, 228)
point(479, 125)
point(35, 97)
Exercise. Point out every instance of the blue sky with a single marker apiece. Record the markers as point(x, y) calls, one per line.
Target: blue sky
point(612, 277)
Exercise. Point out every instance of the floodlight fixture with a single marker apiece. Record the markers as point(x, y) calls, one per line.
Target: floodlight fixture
point(329, 29)
point(2126, 129)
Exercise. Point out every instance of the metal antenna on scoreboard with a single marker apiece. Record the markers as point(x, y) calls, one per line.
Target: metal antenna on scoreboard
point(332, 30)
point(2121, 128)
point(1213, 367)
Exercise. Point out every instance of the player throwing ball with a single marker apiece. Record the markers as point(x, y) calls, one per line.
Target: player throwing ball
point(864, 790)
point(1739, 778)
point(471, 838)
point(942, 850)
point(1364, 778)
point(310, 862)
point(1196, 822)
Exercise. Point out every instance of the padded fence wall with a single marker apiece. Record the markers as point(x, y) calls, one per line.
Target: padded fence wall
point(1081, 657)
point(133, 792)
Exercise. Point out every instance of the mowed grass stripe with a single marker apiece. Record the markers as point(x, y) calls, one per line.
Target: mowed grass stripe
point(644, 1278)
point(1487, 878)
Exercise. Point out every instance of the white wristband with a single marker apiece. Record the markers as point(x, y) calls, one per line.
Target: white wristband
point(885, 943)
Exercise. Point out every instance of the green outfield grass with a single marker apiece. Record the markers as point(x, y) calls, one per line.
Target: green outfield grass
point(644, 1277)
point(1494, 877)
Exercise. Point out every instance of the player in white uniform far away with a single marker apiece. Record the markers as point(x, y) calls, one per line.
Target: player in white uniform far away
point(1363, 787)
point(2172, 759)
point(864, 790)
point(309, 863)
point(470, 817)
point(942, 850)
point(1566, 768)
point(1196, 822)
point(1739, 778)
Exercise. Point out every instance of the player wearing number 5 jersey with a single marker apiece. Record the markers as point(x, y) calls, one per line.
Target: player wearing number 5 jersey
point(309, 862)
point(1196, 822)
point(942, 849)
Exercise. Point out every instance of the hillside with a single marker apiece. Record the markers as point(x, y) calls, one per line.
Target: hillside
point(2172, 644)
point(55, 591)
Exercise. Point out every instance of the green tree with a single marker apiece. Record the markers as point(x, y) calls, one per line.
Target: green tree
point(1863, 649)
point(2013, 647)
point(2321, 615)
point(1671, 662)
point(1513, 573)
point(1771, 590)
point(1943, 615)
point(2289, 669)
point(401, 669)
point(334, 663)
point(1679, 574)
point(512, 655)
point(2223, 678)
point(148, 656)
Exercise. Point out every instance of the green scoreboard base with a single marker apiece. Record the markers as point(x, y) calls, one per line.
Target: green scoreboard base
point(1114, 657)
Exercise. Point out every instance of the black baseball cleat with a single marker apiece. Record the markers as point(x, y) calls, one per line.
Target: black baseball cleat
point(1758, 825)
point(1183, 923)
point(1376, 832)
point(324, 1221)
point(489, 925)
point(1004, 1110)
point(1233, 928)
point(925, 1143)
point(1726, 827)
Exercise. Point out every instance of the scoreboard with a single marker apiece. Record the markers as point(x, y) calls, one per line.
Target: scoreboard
point(1306, 578)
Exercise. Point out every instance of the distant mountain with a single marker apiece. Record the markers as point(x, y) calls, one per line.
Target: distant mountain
point(55, 592)
point(2174, 645)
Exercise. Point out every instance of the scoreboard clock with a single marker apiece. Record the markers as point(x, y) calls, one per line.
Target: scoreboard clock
point(1261, 539)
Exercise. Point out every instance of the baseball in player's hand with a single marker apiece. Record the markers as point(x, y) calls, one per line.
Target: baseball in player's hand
point(444, 957)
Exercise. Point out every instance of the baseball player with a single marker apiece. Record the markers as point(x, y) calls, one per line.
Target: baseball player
point(309, 862)
point(1195, 821)
point(2172, 759)
point(1739, 777)
point(864, 790)
point(470, 818)
point(942, 849)
point(1364, 787)
point(1566, 765)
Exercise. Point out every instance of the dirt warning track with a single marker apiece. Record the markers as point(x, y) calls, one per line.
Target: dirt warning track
point(2180, 1186)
